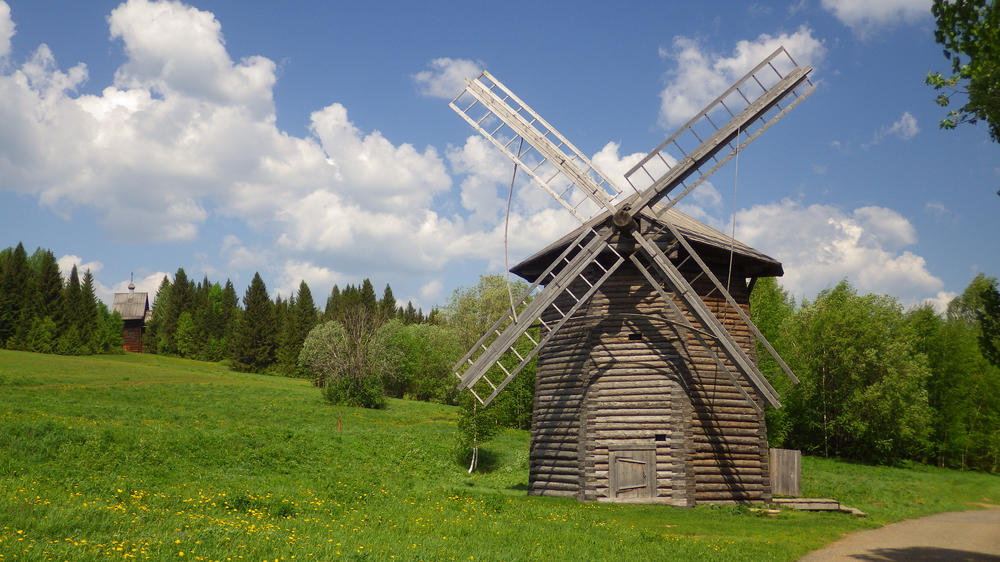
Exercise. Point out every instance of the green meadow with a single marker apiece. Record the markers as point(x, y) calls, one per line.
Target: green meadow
point(147, 457)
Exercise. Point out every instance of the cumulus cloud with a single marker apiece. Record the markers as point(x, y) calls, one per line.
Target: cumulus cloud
point(6, 29)
point(699, 76)
point(185, 132)
point(820, 244)
point(67, 261)
point(864, 16)
point(940, 301)
point(148, 284)
point(431, 291)
point(445, 77)
point(320, 280)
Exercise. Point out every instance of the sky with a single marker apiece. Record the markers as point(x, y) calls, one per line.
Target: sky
point(313, 140)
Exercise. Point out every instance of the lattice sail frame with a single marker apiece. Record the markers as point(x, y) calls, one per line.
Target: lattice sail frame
point(754, 103)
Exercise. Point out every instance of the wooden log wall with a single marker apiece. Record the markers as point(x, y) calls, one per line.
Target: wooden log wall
point(132, 337)
point(619, 375)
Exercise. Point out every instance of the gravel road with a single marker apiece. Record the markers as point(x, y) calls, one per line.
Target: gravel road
point(960, 535)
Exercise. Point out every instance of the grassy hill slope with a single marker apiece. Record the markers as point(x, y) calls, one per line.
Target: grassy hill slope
point(139, 456)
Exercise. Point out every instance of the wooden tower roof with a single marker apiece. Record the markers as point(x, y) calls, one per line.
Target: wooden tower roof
point(712, 245)
point(131, 305)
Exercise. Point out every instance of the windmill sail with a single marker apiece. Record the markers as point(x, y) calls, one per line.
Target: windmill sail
point(537, 147)
point(754, 103)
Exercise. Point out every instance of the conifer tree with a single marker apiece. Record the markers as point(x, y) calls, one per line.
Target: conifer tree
point(181, 300)
point(230, 315)
point(72, 296)
point(89, 327)
point(387, 306)
point(154, 329)
point(70, 341)
point(302, 318)
point(410, 315)
point(15, 296)
point(253, 348)
point(368, 299)
point(332, 305)
point(48, 283)
point(350, 298)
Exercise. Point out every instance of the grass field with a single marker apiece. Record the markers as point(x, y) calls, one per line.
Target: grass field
point(138, 456)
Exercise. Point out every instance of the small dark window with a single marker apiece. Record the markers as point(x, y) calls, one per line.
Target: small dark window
point(634, 337)
point(661, 436)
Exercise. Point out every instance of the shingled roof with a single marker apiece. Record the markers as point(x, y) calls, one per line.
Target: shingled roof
point(711, 245)
point(131, 305)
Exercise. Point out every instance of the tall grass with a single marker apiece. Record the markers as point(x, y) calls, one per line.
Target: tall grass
point(139, 456)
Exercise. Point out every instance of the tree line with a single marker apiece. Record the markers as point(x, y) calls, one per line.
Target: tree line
point(881, 384)
point(206, 321)
point(41, 312)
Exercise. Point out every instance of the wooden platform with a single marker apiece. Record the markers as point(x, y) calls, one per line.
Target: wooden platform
point(817, 504)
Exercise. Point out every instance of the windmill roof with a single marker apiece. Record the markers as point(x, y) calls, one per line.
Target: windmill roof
point(713, 246)
point(131, 306)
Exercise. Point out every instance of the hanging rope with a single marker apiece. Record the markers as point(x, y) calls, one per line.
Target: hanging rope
point(732, 236)
point(506, 228)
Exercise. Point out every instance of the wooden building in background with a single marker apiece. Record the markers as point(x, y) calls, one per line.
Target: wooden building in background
point(134, 310)
point(629, 406)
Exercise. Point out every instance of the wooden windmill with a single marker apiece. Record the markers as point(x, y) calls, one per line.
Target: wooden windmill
point(646, 388)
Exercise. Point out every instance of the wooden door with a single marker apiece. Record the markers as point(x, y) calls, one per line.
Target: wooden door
point(632, 474)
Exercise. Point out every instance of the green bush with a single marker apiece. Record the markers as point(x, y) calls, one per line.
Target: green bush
point(348, 359)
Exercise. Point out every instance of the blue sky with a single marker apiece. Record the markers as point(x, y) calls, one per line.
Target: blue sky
point(313, 141)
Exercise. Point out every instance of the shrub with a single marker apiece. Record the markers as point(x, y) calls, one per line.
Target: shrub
point(348, 358)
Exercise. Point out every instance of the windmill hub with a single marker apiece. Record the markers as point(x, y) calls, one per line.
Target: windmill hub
point(622, 219)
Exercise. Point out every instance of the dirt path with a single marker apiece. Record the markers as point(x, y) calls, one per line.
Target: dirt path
point(960, 535)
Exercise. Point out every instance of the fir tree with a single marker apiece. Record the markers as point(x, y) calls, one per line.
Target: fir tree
point(368, 299)
point(15, 282)
point(230, 315)
point(333, 305)
point(302, 318)
point(181, 300)
point(253, 348)
point(90, 330)
point(187, 336)
point(387, 306)
point(71, 303)
point(154, 328)
point(48, 283)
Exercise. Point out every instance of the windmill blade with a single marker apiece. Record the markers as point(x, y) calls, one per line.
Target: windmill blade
point(537, 147)
point(698, 334)
point(754, 103)
point(572, 286)
point(678, 285)
point(707, 271)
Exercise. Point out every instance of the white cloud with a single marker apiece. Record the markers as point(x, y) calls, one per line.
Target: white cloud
point(700, 76)
point(939, 211)
point(149, 284)
point(67, 261)
point(184, 133)
point(864, 16)
point(174, 49)
point(431, 291)
point(446, 77)
point(320, 280)
point(819, 245)
point(6, 29)
point(884, 227)
point(940, 301)
point(904, 128)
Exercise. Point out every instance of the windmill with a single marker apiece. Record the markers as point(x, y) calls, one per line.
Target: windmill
point(646, 390)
